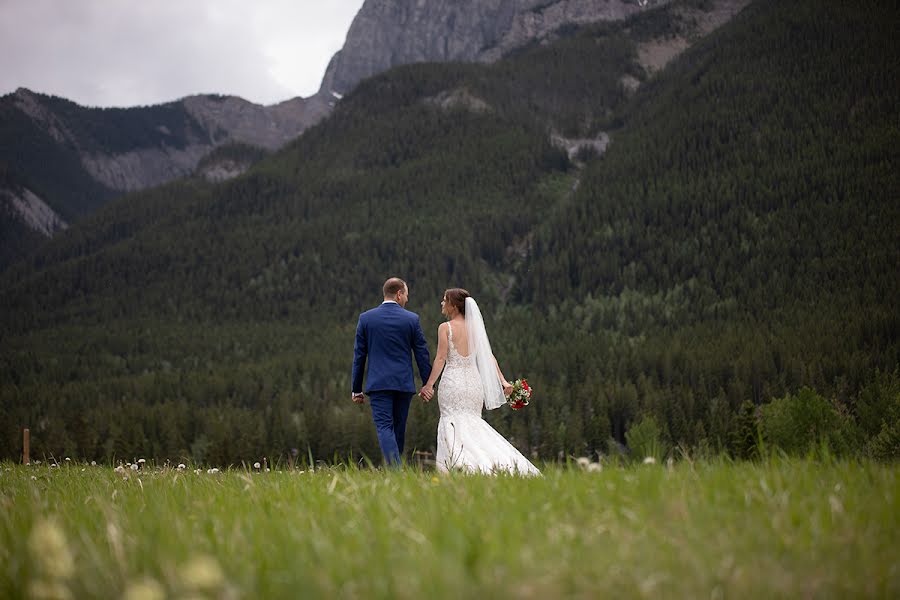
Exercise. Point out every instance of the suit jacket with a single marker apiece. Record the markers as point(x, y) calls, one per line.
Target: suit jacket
point(386, 335)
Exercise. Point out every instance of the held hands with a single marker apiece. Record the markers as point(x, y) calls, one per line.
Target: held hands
point(427, 392)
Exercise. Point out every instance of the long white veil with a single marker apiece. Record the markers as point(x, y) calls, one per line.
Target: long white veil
point(484, 357)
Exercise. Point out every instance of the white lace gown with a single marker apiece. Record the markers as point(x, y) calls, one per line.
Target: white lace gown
point(465, 441)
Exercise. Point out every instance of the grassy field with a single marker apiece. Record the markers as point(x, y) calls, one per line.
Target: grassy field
point(783, 529)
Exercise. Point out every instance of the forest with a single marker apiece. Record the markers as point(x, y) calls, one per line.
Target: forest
point(723, 279)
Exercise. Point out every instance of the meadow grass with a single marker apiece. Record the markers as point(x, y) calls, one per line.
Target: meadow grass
point(781, 528)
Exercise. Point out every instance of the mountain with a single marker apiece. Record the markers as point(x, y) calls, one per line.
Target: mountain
point(390, 33)
point(60, 161)
point(722, 236)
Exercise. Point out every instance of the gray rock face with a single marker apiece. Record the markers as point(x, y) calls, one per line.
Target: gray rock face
point(33, 211)
point(225, 120)
point(388, 33)
point(222, 120)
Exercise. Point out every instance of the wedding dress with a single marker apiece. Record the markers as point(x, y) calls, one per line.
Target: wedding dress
point(465, 441)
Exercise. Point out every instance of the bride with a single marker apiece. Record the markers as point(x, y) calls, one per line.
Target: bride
point(472, 378)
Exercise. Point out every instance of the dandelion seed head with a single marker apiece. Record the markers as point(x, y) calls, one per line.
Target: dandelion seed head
point(202, 573)
point(256, 465)
point(48, 590)
point(145, 589)
point(49, 549)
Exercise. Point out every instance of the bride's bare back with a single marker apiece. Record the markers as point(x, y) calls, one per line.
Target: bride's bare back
point(460, 335)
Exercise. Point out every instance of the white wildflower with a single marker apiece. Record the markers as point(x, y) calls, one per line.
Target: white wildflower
point(202, 573)
point(268, 469)
point(142, 461)
point(145, 589)
point(134, 467)
point(93, 463)
point(594, 467)
point(212, 471)
point(196, 471)
point(49, 550)
point(120, 469)
point(48, 590)
point(33, 478)
point(181, 467)
point(68, 459)
point(583, 462)
point(256, 465)
point(649, 460)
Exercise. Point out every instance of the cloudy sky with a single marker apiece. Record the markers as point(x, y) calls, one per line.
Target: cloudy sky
point(133, 52)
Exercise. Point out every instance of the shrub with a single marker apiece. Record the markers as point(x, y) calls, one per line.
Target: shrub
point(645, 439)
point(807, 422)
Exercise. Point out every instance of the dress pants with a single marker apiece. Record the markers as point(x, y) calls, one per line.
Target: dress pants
point(389, 411)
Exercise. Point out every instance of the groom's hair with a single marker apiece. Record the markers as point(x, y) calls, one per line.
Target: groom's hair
point(456, 297)
point(393, 286)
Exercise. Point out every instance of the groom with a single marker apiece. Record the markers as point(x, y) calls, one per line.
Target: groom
point(387, 335)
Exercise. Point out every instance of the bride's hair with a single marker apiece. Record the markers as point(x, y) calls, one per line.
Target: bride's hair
point(456, 297)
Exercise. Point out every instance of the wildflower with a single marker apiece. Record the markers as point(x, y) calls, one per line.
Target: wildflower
point(268, 469)
point(435, 480)
point(594, 467)
point(649, 460)
point(33, 478)
point(55, 590)
point(141, 462)
point(145, 589)
point(134, 467)
point(83, 469)
point(93, 463)
point(202, 573)
point(50, 551)
point(181, 467)
point(196, 471)
point(212, 471)
point(583, 462)
point(54, 465)
point(256, 466)
point(120, 469)
point(68, 459)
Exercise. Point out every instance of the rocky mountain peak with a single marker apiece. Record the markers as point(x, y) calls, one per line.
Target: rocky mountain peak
point(389, 33)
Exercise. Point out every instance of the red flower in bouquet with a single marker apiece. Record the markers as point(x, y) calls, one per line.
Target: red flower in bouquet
point(520, 395)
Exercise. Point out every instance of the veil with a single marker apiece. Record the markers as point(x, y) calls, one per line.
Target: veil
point(484, 358)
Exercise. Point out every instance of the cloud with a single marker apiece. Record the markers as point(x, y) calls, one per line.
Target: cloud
point(126, 53)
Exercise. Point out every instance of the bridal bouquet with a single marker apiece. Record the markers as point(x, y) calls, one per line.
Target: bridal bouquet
point(520, 395)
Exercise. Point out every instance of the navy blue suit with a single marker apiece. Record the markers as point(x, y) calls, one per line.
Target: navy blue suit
point(387, 336)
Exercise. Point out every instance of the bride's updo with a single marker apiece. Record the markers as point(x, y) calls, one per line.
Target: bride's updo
point(456, 297)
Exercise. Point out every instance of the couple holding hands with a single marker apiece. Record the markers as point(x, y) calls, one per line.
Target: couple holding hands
point(388, 335)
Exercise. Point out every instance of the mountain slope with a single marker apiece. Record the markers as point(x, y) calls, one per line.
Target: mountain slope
point(74, 159)
point(736, 241)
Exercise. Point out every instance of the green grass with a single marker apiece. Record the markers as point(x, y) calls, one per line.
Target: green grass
point(781, 528)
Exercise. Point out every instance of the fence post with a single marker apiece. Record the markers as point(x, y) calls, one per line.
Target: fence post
point(26, 446)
